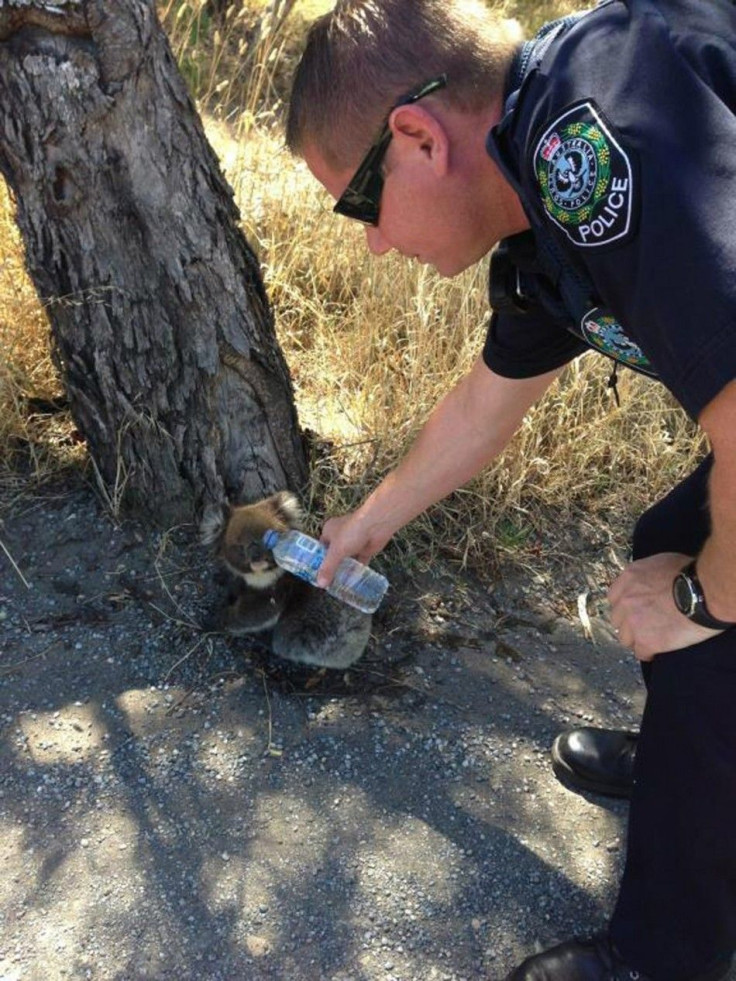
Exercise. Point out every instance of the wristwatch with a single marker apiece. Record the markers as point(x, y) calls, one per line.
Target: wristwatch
point(690, 599)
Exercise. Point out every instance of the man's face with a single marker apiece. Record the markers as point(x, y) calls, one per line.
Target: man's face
point(361, 199)
point(429, 210)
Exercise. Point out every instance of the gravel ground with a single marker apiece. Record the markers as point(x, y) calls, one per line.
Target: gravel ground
point(176, 805)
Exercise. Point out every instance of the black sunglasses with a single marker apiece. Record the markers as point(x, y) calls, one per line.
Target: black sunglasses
point(361, 199)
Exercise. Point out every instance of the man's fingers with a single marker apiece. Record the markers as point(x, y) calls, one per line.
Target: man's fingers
point(328, 568)
point(344, 537)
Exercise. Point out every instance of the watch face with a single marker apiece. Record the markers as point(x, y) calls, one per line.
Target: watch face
point(685, 598)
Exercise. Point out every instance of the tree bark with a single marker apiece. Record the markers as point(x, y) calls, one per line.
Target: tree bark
point(161, 326)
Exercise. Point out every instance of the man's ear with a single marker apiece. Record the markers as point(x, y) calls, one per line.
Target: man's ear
point(416, 129)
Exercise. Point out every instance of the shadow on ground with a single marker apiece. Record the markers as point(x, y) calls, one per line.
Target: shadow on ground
point(176, 805)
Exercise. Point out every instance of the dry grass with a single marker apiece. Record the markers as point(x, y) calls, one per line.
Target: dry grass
point(33, 442)
point(238, 57)
point(372, 344)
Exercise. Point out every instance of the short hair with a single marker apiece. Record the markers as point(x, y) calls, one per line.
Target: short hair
point(363, 55)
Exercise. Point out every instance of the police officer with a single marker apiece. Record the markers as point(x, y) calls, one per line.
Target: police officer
point(602, 155)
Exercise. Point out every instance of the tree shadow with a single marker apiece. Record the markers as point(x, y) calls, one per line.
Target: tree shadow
point(247, 820)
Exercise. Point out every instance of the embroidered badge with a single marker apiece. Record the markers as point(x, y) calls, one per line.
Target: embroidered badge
point(604, 333)
point(585, 177)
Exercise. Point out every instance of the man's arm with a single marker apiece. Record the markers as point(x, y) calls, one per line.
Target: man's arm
point(467, 429)
point(642, 606)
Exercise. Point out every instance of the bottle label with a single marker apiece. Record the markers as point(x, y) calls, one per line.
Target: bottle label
point(309, 553)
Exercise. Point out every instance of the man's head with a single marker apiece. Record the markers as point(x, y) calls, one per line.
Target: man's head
point(364, 55)
point(390, 107)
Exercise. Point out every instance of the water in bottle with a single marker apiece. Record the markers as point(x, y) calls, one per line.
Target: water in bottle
point(354, 583)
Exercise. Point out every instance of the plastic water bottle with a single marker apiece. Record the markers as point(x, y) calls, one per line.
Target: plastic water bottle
point(353, 583)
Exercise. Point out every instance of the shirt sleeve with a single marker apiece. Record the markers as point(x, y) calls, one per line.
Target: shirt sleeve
point(528, 344)
point(671, 282)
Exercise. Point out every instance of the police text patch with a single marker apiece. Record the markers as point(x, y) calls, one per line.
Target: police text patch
point(585, 177)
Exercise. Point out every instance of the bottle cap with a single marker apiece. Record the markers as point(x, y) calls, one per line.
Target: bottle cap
point(270, 538)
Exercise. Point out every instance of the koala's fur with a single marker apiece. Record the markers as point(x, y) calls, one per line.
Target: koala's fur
point(307, 625)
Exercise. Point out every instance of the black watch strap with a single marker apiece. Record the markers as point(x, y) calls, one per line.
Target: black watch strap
point(690, 599)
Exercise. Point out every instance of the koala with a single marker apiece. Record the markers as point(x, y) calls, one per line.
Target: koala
point(306, 624)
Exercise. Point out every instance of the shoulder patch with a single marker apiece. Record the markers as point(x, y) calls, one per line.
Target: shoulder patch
point(585, 177)
point(604, 333)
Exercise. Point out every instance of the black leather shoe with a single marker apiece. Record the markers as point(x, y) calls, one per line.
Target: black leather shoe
point(597, 760)
point(591, 960)
point(577, 960)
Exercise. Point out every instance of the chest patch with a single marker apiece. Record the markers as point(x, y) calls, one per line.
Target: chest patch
point(585, 177)
point(604, 333)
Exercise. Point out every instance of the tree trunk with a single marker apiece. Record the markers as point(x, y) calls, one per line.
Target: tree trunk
point(161, 326)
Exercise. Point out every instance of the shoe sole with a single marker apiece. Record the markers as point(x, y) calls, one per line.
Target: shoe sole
point(573, 781)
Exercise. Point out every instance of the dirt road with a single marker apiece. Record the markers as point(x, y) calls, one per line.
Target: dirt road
point(176, 806)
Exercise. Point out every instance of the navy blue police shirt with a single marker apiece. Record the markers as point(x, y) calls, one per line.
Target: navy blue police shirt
point(621, 144)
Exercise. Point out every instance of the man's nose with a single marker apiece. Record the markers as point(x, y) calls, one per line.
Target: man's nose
point(377, 244)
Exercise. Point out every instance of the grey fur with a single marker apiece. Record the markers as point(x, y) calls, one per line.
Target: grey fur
point(321, 630)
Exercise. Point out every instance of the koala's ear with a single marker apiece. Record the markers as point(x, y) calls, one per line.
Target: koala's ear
point(287, 507)
point(212, 525)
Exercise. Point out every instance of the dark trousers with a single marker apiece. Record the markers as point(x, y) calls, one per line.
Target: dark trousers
point(676, 911)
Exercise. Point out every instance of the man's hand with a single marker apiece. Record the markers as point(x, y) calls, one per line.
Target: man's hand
point(346, 535)
point(643, 610)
